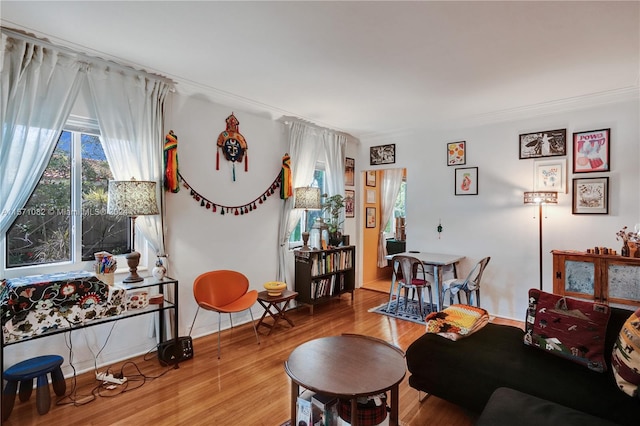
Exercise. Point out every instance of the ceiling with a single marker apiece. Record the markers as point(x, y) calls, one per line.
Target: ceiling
point(364, 67)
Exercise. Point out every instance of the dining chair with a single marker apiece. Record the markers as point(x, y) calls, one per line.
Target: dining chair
point(469, 285)
point(409, 273)
point(224, 291)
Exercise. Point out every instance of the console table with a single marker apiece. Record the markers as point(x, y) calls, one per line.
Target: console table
point(604, 278)
point(91, 301)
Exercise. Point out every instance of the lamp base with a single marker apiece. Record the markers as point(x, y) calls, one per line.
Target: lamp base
point(133, 260)
point(305, 242)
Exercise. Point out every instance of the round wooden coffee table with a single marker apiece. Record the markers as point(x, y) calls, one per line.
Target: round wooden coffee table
point(347, 366)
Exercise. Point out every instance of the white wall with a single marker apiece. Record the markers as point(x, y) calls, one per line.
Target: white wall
point(199, 240)
point(495, 222)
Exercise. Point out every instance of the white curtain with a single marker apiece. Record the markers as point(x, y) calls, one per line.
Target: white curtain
point(389, 188)
point(38, 89)
point(129, 107)
point(304, 149)
point(334, 147)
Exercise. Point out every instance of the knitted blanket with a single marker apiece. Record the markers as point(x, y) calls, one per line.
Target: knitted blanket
point(457, 321)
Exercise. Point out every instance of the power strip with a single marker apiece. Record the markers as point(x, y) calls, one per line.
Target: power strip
point(104, 377)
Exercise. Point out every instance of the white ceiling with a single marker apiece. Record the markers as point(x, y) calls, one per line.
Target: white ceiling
point(368, 67)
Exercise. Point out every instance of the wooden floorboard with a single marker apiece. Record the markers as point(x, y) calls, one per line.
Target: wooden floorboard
point(247, 386)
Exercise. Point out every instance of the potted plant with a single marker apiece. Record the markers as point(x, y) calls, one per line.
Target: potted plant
point(333, 205)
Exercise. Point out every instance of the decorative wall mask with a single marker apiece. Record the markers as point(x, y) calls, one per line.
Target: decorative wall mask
point(233, 145)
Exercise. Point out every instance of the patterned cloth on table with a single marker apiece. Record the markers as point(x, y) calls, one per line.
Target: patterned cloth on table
point(37, 304)
point(457, 321)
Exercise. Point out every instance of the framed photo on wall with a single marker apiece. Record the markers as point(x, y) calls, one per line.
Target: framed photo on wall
point(382, 154)
point(371, 178)
point(349, 203)
point(349, 171)
point(456, 153)
point(371, 196)
point(591, 195)
point(466, 181)
point(550, 175)
point(548, 143)
point(371, 217)
point(591, 151)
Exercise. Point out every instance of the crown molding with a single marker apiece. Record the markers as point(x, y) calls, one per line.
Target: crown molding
point(554, 107)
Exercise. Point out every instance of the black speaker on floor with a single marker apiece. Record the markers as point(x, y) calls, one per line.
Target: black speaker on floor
point(176, 350)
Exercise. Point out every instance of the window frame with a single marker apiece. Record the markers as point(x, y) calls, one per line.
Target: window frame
point(319, 167)
point(77, 126)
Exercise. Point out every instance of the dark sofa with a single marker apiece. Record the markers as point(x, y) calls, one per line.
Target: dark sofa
point(466, 372)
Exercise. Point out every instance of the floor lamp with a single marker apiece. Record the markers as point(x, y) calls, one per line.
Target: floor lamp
point(306, 198)
point(132, 198)
point(540, 198)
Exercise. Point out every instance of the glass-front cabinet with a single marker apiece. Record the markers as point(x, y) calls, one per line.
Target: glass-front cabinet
point(600, 277)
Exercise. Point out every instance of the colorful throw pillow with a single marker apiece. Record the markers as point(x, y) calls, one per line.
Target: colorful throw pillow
point(625, 359)
point(570, 328)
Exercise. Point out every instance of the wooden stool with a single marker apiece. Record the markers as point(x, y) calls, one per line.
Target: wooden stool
point(24, 372)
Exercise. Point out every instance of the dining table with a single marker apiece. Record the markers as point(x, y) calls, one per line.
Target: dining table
point(437, 261)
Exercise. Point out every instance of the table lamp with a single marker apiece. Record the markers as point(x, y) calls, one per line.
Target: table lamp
point(539, 198)
point(306, 198)
point(132, 198)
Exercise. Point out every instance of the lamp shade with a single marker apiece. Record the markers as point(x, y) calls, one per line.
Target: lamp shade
point(541, 197)
point(307, 198)
point(132, 198)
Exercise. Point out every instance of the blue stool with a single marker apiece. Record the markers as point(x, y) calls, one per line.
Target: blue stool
point(24, 372)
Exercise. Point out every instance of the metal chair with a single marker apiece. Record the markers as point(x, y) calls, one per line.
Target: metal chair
point(470, 285)
point(224, 291)
point(406, 273)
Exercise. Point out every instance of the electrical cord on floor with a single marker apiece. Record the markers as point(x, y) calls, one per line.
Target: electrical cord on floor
point(105, 389)
point(72, 397)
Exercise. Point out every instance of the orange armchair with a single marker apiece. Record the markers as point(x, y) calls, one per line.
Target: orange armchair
point(224, 291)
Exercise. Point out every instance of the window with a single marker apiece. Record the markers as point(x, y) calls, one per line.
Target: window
point(399, 210)
point(295, 238)
point(65, 219)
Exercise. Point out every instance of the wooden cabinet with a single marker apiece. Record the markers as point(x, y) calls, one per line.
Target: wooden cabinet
point(324, 274)
point(600, 277)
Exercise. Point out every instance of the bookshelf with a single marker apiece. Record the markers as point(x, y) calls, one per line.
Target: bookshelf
point(322, 275)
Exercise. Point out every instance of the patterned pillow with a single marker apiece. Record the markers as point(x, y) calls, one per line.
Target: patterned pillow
point(570, 328)
point(625, 359)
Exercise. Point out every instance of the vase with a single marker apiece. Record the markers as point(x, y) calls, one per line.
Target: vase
point(625, 251)
point(335, 238)
point(158, 272)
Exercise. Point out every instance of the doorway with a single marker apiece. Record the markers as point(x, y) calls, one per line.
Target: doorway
point(374, 277)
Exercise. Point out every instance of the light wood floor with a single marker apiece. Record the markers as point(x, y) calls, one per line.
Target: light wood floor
point(247, 386)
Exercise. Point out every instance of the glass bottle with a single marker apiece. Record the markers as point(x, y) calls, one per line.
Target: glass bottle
point(315, 235)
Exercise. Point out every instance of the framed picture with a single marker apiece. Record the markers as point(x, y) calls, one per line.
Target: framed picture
point(382, 154)
point(456, 153)
point(466, 181)
point(371, 217)
point(591, 195)
point(349, 171)
point(349, 203)
point(371, 196)
point(591, 151)
point(371, 178)
point(549, 143)
point(550, 175)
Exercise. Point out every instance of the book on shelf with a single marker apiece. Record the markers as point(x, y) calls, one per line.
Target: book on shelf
point(324, 262)
point(327, 286)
